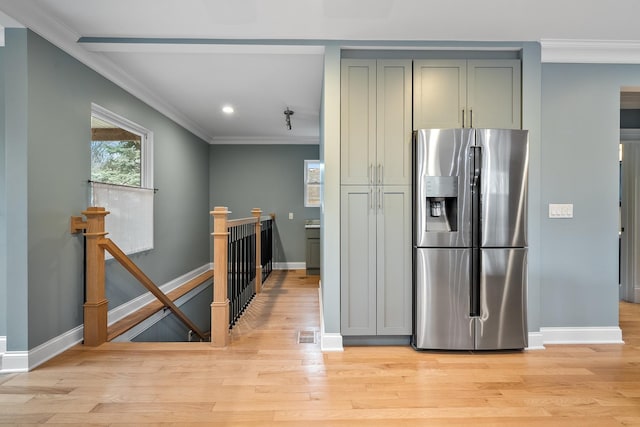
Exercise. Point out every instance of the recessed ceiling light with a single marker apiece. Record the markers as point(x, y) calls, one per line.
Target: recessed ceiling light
point(227, 109)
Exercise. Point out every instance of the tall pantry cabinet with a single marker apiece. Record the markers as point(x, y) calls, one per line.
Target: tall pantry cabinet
point(375, 241)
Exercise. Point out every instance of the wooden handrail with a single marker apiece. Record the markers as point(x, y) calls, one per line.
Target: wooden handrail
point(135, 271)
point(240, 221)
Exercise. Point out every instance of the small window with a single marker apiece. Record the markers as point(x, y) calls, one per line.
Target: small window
point(312, 183)
point(122, 178)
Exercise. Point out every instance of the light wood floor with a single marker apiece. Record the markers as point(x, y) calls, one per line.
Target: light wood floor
point(266, 378)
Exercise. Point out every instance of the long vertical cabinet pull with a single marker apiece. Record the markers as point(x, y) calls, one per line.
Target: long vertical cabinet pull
point(463, 117)
point(371, 179)
point(471, 118)
point(380, 176)
point(371, 202)
point(379, 199)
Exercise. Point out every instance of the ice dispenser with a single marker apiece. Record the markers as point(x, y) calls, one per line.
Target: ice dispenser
point(442, 203)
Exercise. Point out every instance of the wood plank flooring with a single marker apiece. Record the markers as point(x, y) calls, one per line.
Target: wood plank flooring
point(266, 378)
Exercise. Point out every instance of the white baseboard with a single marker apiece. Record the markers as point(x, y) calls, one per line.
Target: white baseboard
point(23, 361)
point(535, 341)
point(582, 335)
point(328, 341)
point(15, 361)
point(289, 265)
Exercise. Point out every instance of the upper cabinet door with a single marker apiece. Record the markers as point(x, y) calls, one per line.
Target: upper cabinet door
point(439, 94)
point(358, 122)
point(393, 147)
point(494, 94)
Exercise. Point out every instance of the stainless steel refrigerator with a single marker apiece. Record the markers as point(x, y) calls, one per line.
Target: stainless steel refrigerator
point(470, 239)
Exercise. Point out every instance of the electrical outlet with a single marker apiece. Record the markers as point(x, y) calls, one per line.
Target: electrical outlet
point(290, 215)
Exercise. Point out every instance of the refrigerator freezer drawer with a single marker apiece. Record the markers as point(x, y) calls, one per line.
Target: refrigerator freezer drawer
point(442, 299)
point(502, 323)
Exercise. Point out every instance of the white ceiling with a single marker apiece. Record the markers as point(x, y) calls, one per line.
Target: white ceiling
point(187, 58)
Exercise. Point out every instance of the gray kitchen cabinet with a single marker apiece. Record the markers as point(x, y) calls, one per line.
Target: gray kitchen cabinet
point(467, 93)
point(375, 181)
point(375, 244)
point(375, 122)
point(313, 250)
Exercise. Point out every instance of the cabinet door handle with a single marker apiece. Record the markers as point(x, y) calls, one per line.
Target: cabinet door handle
point(371, 203)
point(371, 173)
point(379, 199)
point(471, 117)
point(379, 173)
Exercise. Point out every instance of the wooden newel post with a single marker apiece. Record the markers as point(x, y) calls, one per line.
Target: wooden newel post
point(256, 212)
point(96, 304)
point(220, 304)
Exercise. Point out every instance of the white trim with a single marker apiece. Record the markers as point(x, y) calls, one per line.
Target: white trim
point(3, 346)
point(202, 46)
point(582, 335)
point(289, 265)
point(53, 347)
point(535, 341)
point(15, 361)
point(31, 15)
point(123, 310)
point(270, 140)
point(590, 51)
point(146, 146)
point(23, 361)
point(328, 341)
point(149, 322)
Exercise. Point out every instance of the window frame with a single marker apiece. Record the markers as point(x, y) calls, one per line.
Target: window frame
point(146, 141)
point(146, 176)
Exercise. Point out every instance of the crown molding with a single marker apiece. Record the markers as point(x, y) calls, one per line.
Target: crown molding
point(590, 51)
point(271, 140)
point(32, 16)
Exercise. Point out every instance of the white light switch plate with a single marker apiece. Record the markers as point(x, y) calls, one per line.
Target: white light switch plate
point(560, 210)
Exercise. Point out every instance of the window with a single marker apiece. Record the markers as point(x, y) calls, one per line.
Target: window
point(122, 178)
point(312, 183)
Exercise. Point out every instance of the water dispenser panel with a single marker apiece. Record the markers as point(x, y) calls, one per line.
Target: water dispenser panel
point(441, 186)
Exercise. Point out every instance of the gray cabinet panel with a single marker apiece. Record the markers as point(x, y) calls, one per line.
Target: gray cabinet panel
point(358, 261)
point(460, 94)
point(358, 122)
point(440, 93)
point(394, 293)
point(393, 141)
point(494, 94)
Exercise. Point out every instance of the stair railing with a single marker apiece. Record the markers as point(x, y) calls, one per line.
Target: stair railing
point(238, 257)
point(96, 304)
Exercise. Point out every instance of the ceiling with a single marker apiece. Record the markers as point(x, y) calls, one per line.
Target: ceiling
point(188, 58)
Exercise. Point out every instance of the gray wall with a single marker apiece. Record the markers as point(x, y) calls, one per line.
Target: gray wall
point(3, 207)
point(269, 177)
point(48, 98)
point(580, 134)
point(15, 92)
